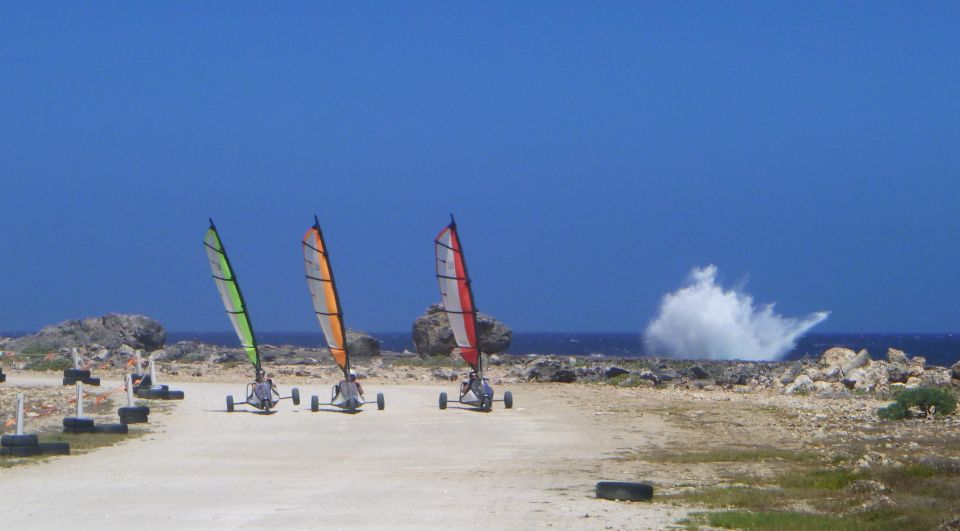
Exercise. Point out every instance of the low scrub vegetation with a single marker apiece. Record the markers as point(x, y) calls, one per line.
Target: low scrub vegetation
point(926, 401)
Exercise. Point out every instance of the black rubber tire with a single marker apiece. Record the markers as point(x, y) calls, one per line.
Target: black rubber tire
point(381, 403)
point(19, 441)
point(3, 377)
point(229, 403)
point(508, 400)
point(110, 428)
point(78, 374)
point(134, 419)
point(486, 403)
point(24, 451)
point(74, 422)
point(89, 429)
point(624, 491)
point(69, 381)
point(295, 395)
point(92, 381)
point(443, 400)
point(54, 448)
point(314, 403)
point(174, 395)
point(145, 381)
point(133, 410)
point(352, 405)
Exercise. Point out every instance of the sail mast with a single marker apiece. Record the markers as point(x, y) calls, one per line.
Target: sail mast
point(457, 293)
point(326, 303)
point(234, 303)
point(473, 300)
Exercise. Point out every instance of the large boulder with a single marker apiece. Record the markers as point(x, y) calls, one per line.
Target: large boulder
point(897, 357)
point(111, 331)
point(955, 371)
point(362, 344)
point(433, 336)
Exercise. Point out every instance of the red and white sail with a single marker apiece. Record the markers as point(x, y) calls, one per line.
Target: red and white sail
point(457, 294)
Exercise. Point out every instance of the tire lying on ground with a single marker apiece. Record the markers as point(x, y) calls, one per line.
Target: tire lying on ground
point(24, 451)
point(19, 441)
point(78, 374)
point(111, 428)
point(75, 422)
point(624, 491)
point(133, 410)
point(54, 448)
point(69, 381)
point(160, 394)
point(91, 381)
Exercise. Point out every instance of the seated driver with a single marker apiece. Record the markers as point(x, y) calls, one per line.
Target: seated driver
point(353, 379)
point(467, 384)
point(263, 389)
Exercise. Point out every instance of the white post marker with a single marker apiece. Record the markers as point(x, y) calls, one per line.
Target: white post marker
point(19, 413)
point(79, 400)
point(76, 358)
point(139, 362)
point(153, 373)
point(130, 390)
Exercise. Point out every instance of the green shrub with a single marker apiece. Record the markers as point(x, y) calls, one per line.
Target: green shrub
point(929, 400)
point(56, 364)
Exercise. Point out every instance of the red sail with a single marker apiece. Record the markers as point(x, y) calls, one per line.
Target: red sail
point(457, 295)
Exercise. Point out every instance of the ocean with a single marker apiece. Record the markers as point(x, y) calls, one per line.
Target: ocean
point(938, 349)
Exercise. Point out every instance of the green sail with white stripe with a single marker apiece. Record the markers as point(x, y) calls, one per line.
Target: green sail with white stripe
point(230, 292)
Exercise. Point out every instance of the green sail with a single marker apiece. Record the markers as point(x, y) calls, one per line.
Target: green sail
point(229, 290)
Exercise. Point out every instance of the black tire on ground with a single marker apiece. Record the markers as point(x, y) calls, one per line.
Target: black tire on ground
point(3, 377)
point(133, 419)
point(54, 448)
point(295, 394)
point(92, 381)
point(174, 395)
point(624, 490)
point(24, 451)
point(19, 441)
point(508, 400)
point(83, 429)
point(443, 400)
point(381, 403)
point(74, 422)
point(110, 428)
point(314, 403)
point(229, 403)
point(133, 410)
point(69, 381)
point(79, 374)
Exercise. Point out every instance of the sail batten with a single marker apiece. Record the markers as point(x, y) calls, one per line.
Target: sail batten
point(457, 293)
point(323, 293)
point(230, 294)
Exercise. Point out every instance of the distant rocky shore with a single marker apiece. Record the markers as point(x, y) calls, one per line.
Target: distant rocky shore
point(112, 340)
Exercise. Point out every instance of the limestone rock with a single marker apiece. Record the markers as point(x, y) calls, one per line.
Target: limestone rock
point(955, 371)
point(614, 371)
point(110, 331)
point(433, 336)
point(837, 357)
point(362, 344)
point(803, 383)
point(860, 361)
point(897, 357)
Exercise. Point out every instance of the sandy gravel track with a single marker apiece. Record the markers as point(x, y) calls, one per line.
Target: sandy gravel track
point(411, 466)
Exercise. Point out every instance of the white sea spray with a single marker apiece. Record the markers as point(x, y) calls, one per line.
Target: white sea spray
point(704, 320)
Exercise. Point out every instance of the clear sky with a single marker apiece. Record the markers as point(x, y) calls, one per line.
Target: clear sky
point(593, 153)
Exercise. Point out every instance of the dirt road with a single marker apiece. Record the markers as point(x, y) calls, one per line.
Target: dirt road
point(411, 466)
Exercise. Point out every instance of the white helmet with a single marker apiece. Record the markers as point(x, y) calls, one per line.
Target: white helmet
point(353, 373)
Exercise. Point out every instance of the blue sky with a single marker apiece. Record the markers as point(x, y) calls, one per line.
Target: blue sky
point(593, 153)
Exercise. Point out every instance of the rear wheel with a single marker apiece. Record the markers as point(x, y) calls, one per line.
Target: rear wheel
point(508, 400)
point(443, 400)
point(314, 403)
point(229, 403)
point(380, 401)
point(295, 394)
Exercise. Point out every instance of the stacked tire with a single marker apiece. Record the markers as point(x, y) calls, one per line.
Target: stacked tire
point(134, 414)
point(29, 445)
point(78, 425)
point(72, 376)
point(3, 377)
point(159, 393)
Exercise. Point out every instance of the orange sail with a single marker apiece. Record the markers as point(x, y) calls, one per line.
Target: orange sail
point(323, 291)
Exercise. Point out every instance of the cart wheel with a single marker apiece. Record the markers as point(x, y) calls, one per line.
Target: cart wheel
point(295, 394)
point(443, 400)
point(485, 403)
point(229, 403)
point(508, 400)
point(380, 402)
point(314, 403)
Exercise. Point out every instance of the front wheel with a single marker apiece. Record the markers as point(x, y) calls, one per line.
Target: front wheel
point(295, 394)
point(485, 403)
point(443, 400)
point(508, 400)
point(380, 401)
point(229, 403)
